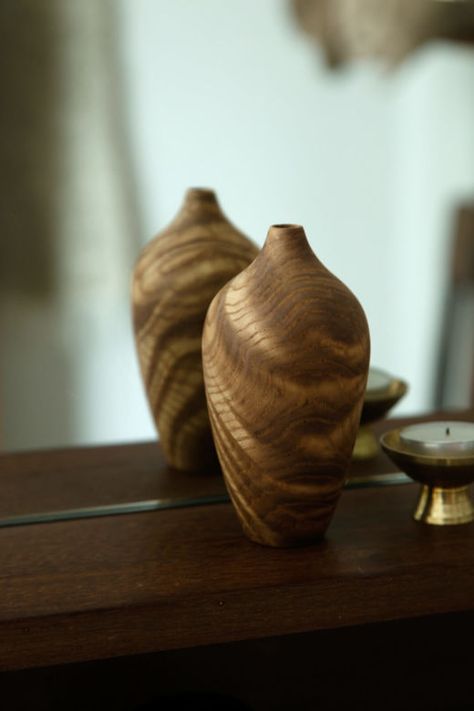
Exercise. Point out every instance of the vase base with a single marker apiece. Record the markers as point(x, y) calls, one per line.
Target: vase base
point(278, 540)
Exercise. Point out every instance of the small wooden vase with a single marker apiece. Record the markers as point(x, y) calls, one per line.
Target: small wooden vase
point(286, 356)
point(175, 279)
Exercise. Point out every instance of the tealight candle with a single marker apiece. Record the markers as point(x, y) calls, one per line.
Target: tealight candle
point(440, 456)
point(440, 439)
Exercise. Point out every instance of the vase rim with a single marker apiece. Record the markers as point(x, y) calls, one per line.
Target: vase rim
point(286, 226)
point(285, 231)
point(288, 239)
point(201, 194)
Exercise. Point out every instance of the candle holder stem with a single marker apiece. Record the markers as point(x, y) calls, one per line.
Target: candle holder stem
point(366, 444)
point(444, 506)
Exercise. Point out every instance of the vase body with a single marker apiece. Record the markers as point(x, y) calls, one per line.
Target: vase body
point(286, 355)
point(175, 279)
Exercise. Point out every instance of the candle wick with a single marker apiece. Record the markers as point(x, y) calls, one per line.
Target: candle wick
point(448, 431)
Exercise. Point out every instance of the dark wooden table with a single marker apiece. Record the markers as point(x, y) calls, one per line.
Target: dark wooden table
point(137, 587)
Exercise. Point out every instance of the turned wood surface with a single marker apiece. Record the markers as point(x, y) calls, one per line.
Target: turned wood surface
point(175, 279)
point(286, 357)
point(92, 589)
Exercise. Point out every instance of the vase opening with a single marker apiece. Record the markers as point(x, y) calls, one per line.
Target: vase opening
point(287, 239)
point(286, 233)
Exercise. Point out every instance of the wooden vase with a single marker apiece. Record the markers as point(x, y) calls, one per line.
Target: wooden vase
point(286, 356)
point(175, 279)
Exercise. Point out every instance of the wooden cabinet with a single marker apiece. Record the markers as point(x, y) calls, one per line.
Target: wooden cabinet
point(120, 609)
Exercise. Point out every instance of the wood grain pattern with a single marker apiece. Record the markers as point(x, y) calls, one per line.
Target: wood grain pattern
point(84, 590)
point(286, 357)
point(175, 279)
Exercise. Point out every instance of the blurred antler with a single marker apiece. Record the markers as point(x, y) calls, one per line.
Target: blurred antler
point(387, 29)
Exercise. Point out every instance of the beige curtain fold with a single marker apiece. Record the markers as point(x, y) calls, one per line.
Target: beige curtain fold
point(30, 48)
point(69, 229)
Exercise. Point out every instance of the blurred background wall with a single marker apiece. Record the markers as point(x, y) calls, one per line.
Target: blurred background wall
point(69, 228)
point(231, 95)
point(372, 162)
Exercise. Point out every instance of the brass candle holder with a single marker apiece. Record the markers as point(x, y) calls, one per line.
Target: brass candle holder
point(382, 393)
point(445, 478)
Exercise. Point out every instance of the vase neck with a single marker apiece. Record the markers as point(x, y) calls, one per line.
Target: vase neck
point(197, 198)
point(287, 242)
point(199, 205)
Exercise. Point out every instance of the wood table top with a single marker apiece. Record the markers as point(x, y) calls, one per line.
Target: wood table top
point(121, 585)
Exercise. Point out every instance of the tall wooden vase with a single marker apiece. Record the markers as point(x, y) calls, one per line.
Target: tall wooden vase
point(286, 356)
point(175, 279)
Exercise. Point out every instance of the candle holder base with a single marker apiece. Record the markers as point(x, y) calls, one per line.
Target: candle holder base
point(366, 444)
point(376, 405)
point(444, 507)
point(445, 496)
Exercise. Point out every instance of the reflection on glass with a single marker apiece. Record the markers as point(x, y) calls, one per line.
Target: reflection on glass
point(111, 110)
